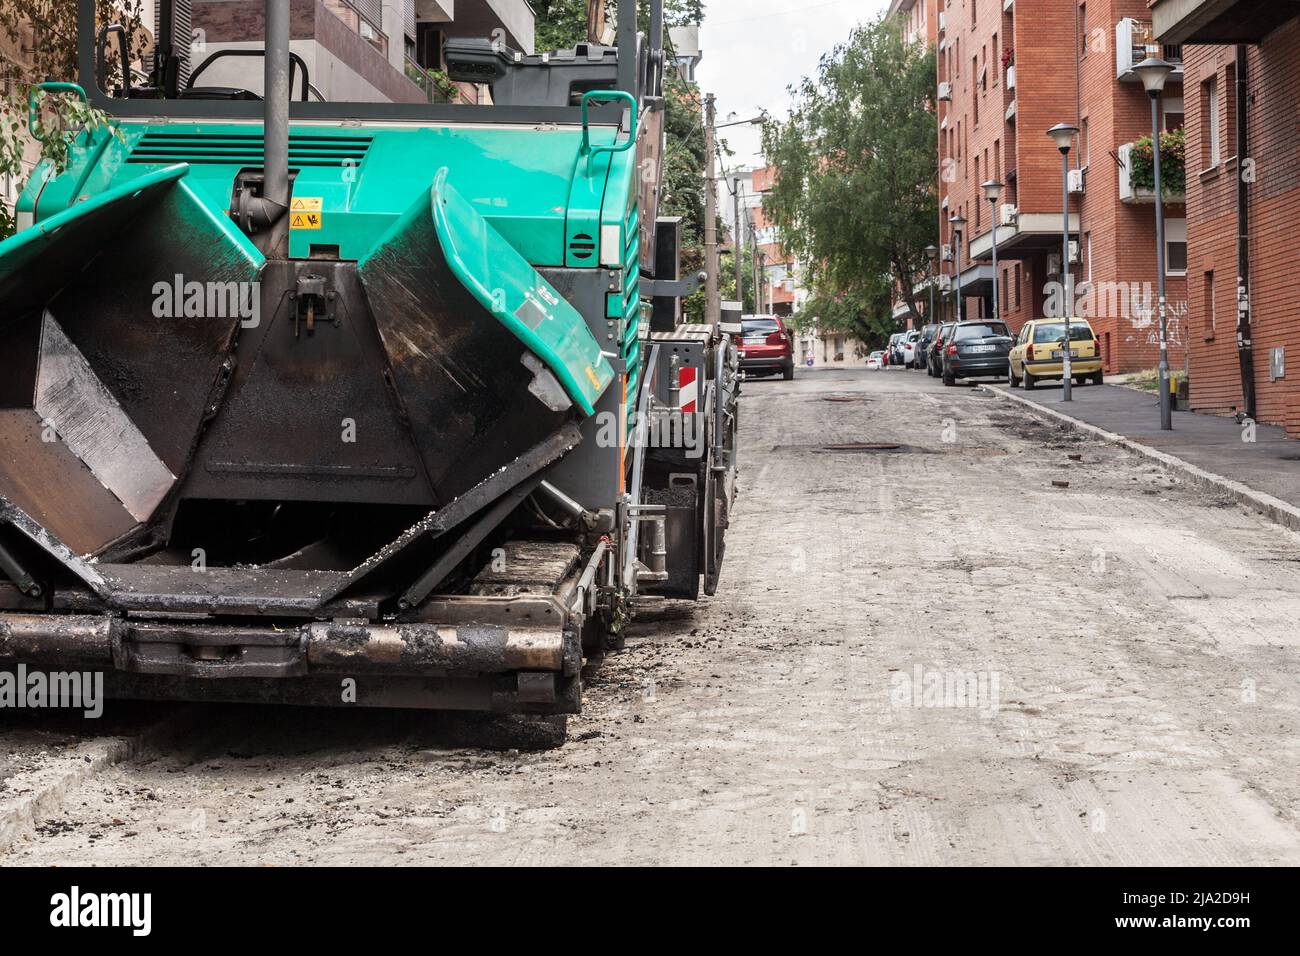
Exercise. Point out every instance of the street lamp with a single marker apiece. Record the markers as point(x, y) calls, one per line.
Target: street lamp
point(956, 222)
point(1063, 134)
point(931, 253)
point(712, 300)
point(1154, 71)
point(993, 192)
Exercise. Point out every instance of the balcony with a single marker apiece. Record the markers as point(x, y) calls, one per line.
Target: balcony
point(1135, 173)
point(511, 20)
point(1031, 233)
point(1135, 40)
point(1218, 21)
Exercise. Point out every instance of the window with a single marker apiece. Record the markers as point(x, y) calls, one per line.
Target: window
point(1083, 29)
point(980, 330)
point(761, 327)
point(1047, 334)
point(1017, 285)
point(1173, 112)
point(1087, 246)
point(1084, 153)
point(1210, 117)
point(1211, 316)
point(1176, 246)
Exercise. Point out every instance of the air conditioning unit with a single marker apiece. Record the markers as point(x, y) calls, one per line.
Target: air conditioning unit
point(943, 22)
point(1054, 259)
point(945, 283)
point(945, 92)
point(1077, 179)
point(1007, 214)
point(946, 253)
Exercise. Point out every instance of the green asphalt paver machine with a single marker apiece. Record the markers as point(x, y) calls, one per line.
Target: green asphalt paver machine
point(397, 396)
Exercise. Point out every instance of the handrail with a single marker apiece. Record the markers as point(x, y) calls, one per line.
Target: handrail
point(33, 97)
point(607, 96)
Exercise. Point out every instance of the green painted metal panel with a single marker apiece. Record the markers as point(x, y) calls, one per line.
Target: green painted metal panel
point(507, 287)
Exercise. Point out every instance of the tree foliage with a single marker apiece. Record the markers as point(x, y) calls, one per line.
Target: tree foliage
point(1173, 164)
point(855, 198)
point(59, 119)
point(563, 23)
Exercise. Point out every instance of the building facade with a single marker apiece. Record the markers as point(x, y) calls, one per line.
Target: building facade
point(1008, 70)
point(16, 63)
point(920, 19)
point(361, 50)
point(1242, 63)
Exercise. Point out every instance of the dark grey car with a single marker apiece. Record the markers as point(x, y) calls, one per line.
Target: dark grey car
point(977, 349)
point(923, 343)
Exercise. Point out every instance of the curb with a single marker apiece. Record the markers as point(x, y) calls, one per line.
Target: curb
point(1275, 509)
point(19, 816)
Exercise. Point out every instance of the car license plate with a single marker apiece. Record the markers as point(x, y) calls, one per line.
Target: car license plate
point(753, 340)
point(1074, 354)
point(982, 348)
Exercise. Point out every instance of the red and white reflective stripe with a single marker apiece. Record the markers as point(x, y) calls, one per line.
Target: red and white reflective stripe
point(690, 388)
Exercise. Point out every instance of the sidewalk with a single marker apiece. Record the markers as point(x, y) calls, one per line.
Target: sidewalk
point(1270, 464)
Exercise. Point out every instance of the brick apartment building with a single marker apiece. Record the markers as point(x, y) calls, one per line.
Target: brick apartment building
point(1269, 32)
point(1008, 70)
point(777, 288)
point(920, 19)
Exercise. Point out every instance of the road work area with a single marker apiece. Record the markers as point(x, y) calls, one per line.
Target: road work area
point(947, 633)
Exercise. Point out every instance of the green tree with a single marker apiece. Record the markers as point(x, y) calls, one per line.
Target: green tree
point(563, 23)
point(855, 198)
point(53, 55)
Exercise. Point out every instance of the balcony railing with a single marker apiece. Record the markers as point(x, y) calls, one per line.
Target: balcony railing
point(437, 87)
point(1135, 41)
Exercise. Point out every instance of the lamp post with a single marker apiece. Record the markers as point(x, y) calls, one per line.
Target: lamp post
point(740, 240)
point(712, 298)
point(932, 254)
point(993, 192)
point(1154, 71)
point(956, 222)
point(1063, 134)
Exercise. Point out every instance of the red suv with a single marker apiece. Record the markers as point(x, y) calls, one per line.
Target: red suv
point(766, 346)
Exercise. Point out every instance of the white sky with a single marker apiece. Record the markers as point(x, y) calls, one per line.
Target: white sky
point(754, 49)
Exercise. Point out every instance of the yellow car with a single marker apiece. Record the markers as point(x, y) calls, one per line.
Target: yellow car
point(1039, 353)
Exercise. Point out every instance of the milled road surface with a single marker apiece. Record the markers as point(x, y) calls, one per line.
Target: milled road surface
point(1129, 646)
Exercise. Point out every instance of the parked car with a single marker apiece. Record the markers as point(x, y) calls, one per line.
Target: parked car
point(1039, 350)
point(976, 349)
point(909, 348)
point(876, 360)
point(766, 346)
point(934, 356)
point(923, 342)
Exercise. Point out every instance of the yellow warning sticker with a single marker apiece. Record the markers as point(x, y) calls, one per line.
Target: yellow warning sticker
point(305, 204)
point(305, 220)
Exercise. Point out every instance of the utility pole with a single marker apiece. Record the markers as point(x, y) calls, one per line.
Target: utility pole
point(713, 303)
point(740, 242)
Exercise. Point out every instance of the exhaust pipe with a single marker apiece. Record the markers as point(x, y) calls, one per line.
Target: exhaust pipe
point(275, 162)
